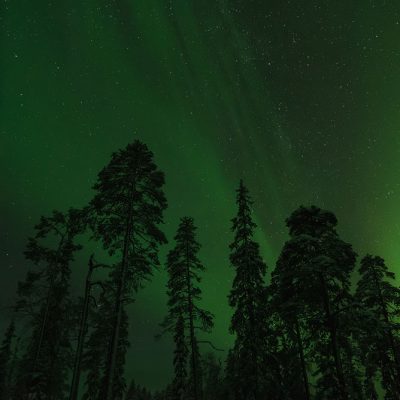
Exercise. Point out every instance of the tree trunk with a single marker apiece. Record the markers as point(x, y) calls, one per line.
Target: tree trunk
point(28, 384)
point(113, 350)
point(81, 336)
point(333, 337)
point(302, 360)
point(25, 391)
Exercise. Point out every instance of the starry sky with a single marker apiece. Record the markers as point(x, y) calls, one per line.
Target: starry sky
point(299, 98)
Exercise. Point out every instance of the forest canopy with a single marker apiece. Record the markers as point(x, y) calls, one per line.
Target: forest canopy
point(324, 327)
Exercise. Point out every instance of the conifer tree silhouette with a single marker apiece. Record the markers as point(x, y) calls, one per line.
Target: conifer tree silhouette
point(184, 314)
point(128, 208)
point(83, 326)
point(44, 298)
point(318, 267)
point(380, 337)
point(288, 303)
point(247, 299)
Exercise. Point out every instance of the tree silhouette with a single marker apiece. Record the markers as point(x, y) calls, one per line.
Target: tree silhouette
point(379, 339)
point(44, 298)
point(128, 207)
point(247, 297)
point(184, 314)
point(83, 326)
point(289, 347)
point(307, 335)
point(291, 308)
point(321, 265)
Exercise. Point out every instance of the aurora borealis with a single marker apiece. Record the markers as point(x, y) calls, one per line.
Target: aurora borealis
point(300, 99)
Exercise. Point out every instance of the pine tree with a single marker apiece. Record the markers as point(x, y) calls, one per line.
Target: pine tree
point(128, 207)
point(6, 356)
point(44, 297)
point(184, 314)
point(380, 337)
point(316, 265)
point(247, 297)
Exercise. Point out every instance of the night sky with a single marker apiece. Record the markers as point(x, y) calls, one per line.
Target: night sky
point(300, 98)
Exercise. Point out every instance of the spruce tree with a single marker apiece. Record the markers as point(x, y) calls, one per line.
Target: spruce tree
point(128, 208)
point(185, 316)
point(6, 359)
point(379, 338)
point(44, 298)
point(247, 297)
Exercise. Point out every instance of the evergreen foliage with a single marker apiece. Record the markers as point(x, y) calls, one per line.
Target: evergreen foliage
point(185, 316)
point(247, 298)
point(127, 210)
point(314, 331)
point(380, 337)
point(313, 276)
point(44, 299)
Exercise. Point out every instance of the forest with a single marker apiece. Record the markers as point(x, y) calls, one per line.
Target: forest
point(324, 327)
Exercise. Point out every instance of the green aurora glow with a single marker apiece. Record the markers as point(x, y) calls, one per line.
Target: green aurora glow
point(300, 99)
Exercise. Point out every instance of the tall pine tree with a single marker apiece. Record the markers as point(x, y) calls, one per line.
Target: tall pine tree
point(247, 298)
point(185, 315)
point(128, 208)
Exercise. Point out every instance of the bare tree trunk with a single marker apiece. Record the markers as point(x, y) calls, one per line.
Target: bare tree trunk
point(81, 336)
point(113, 349)
point(43, 325)
point(333, 337)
